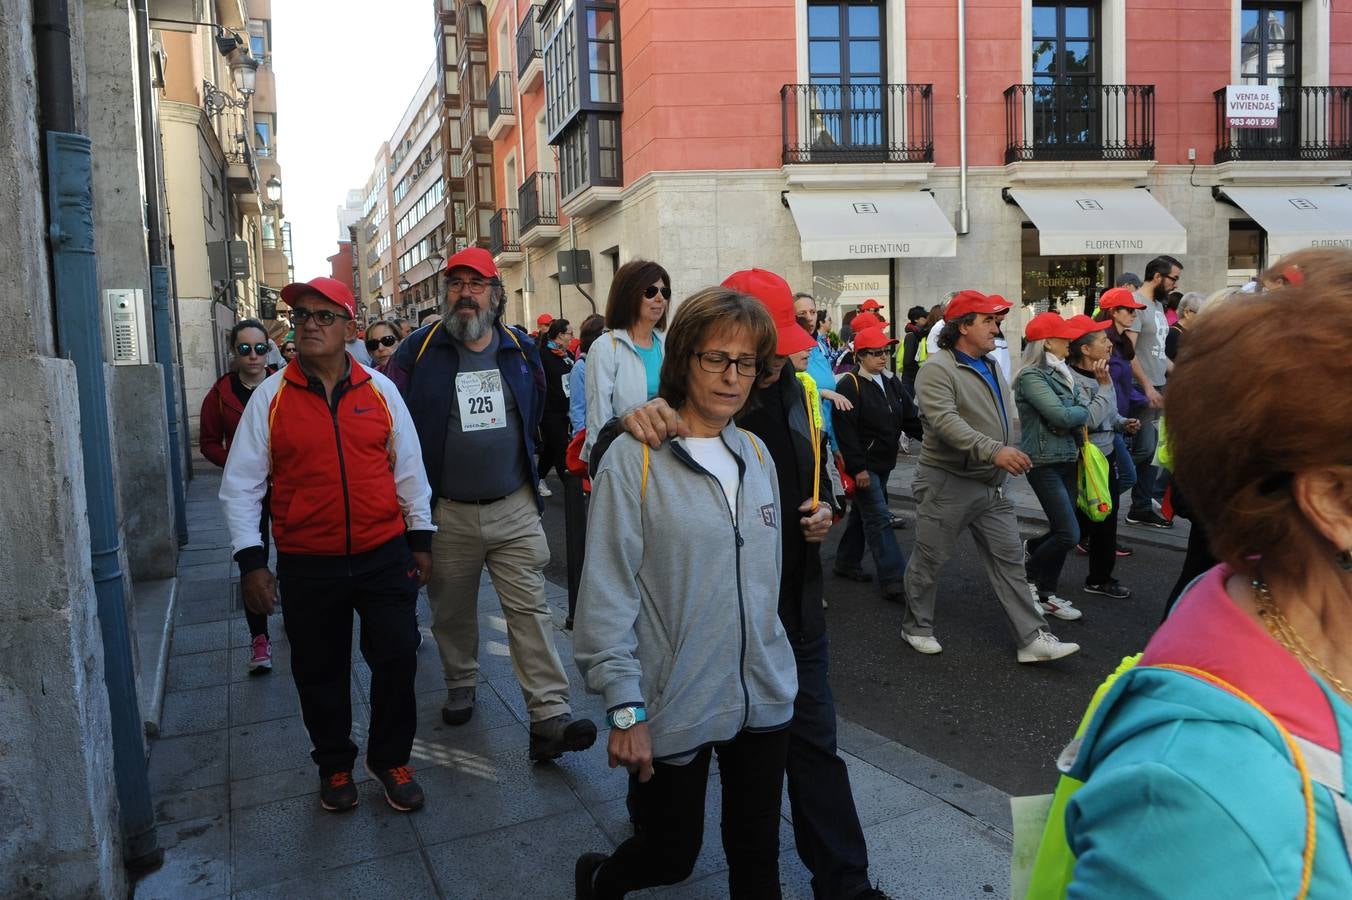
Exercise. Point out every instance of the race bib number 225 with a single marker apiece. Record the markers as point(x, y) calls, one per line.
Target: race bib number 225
point(479, 395)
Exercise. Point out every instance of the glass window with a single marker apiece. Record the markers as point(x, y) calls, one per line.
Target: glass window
point(264, 132)
point(1270, 44)
point(847, 59)
point(608, 148)
point(257, 46)
point(1246, 253)
point(1066, 284)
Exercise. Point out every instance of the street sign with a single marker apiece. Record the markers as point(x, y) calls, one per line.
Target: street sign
point(1251, 106)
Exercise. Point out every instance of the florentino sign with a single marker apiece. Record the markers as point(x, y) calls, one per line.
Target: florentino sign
point(1251, 106)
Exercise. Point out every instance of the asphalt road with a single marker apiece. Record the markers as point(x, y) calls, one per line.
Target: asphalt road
point(973, 707)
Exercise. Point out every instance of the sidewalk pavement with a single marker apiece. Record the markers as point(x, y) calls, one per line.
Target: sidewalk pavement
point(236, 793)
point(1029, 510)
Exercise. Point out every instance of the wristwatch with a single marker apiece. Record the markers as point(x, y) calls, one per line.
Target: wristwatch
point(626, 717)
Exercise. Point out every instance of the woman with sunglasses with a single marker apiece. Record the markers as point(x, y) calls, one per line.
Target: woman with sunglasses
point(381, 341)
point(288, 351)
point(221, 411)
point(623, 366)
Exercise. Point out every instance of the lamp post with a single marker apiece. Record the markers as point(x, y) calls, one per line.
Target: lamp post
point(273, 189)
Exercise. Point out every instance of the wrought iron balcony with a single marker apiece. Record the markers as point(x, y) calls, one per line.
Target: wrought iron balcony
point(538, 200)
point(1312, 123)
point(857, 123)
point(530, 42)
point(501, 109)
point(503, 236)
point(1080, 121)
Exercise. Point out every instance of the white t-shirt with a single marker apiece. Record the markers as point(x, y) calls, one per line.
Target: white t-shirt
point(717, 459)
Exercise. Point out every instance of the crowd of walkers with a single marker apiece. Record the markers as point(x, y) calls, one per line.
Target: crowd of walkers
point(718, 445)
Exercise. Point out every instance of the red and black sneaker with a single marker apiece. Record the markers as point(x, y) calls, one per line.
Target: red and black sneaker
point(401, 791)
point(337, 793)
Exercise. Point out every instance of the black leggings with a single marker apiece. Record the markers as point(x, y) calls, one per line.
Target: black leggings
point(258, 622)
point(554, 447)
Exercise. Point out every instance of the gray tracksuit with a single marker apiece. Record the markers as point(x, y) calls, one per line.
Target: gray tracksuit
point(679, 608)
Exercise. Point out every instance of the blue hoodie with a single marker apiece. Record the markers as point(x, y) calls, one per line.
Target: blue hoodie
point(1190, 791)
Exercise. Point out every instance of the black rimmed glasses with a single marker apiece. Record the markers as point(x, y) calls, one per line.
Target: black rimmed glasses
point(300, 315)
point(716, 362)
point(653, 290)
point(256, 349)
point(475, 286)
point(388, 340)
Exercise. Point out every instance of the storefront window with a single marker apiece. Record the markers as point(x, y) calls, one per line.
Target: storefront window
point(1066, 284)
point(840, 285)
point(1246, 253)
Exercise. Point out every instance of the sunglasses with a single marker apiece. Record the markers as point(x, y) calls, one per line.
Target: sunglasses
point(871, 353)
point(289, 348)
point(653, 290)
point(256, 349)
point(388, 340)
point(300, 315)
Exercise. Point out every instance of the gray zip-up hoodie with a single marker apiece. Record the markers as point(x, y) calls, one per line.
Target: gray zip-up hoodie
point(679, 607)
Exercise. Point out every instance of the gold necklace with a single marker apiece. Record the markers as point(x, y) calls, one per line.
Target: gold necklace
point(1281, 629)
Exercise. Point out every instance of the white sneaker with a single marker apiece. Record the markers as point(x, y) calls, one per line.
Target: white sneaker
point(1046, 647)
point(544, 490)
point(1053, 605)
point(922, 643)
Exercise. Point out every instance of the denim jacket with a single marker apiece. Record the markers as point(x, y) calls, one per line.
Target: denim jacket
point(1052, 413)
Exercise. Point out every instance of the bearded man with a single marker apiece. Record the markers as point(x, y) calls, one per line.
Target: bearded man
point(475, 389)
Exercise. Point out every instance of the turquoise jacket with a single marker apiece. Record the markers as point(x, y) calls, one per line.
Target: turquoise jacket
point(1190, 791)
point(1051, 414)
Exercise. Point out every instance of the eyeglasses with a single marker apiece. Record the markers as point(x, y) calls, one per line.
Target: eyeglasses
point(288, 349)
point(256, 349)
point(653, 290)
point(1173, 278)
point(388, 340)
point(325, 317)
point(476, 286)
point(716, 362)
point(870, 353)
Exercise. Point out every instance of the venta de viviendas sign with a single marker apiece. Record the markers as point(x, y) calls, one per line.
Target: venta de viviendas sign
point(1251, 106)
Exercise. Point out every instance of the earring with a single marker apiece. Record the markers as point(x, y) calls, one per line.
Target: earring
point(1344, 558)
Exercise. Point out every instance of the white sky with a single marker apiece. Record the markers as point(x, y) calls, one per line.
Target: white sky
point(346, 70)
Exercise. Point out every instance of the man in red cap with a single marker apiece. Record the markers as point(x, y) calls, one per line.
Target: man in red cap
point(965, 459)
point(476, 391)
point(542, 322)
point(351, 519)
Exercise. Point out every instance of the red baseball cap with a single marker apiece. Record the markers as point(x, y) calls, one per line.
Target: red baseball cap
point(867, 320)
point(544, 320)
point(1119, 297)
point(1050, 325)
point(968, 302)
point(330, 289)
point(870, 304)
point(476, 258)
point(1084, 325)
point(872, 339)
point(776, 295)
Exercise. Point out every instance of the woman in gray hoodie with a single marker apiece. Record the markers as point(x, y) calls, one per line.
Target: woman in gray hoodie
point(678, 624)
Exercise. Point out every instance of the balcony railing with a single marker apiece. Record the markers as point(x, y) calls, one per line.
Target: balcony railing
point(1312, 123)
point(530, 41)
point(832, 123)
point(538, 199)
point(499, 97)
point(503, 236)
point(1080, 121)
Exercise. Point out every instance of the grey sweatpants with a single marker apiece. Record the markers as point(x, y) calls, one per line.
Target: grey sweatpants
point(946, 504)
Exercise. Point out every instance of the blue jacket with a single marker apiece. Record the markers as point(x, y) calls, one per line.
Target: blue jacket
point(1189, 790)
point(577, 395)
point(1051, 414)
point(426, 384)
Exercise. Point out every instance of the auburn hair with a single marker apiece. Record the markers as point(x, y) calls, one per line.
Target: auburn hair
point(712, 310)
point(1245, 415)
point(625, 299)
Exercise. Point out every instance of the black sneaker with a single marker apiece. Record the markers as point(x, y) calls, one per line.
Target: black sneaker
point(337, 793)
point(853, 574)
point(1151, 519)
point(401, 791)
point(562, 734)
point(1109, 588)
point(894, 593)
point(584, 875)
point(897, 522)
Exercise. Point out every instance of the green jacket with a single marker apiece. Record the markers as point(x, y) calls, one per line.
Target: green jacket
point(1051, 414)
point(963, 425)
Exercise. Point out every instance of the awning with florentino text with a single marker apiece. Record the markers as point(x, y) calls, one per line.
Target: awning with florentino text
point(1298, 217)
point(871, 225)
point(1100, 221)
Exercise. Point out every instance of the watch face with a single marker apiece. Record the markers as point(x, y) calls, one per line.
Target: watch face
point(624, 718)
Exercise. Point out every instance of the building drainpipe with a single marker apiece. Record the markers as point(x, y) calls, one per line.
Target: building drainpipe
point(159, 272)
point(75, 295)
point(964, 225)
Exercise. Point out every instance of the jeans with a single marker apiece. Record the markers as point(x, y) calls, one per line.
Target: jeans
point(1055, 487)
point(1101, 537)
point(318, 620)
point(1142, 452)
point(1124, 467)
point(826, 827)
point(668, 812)
point(871, 522)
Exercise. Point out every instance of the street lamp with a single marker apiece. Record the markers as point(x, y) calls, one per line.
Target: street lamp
point(404, 285)
point(437, 260)
point(274, 190)
point(244, 70)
